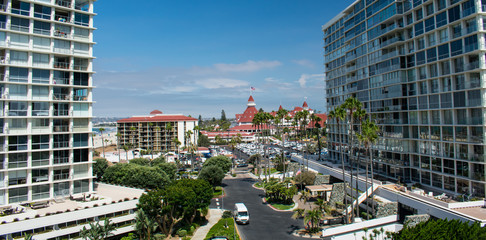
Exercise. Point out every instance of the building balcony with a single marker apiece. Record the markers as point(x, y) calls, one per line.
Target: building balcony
point(61, 176)
point(20, 11)
point(37, 113)
point(42, 31)
point(62, 65)
point(61, 160)
point(61, 144)
point(63, 3)
point(60, 128)
point(61, 96)
point(58, 33)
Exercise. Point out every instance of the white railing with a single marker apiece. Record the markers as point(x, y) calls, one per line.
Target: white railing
point(349, 228)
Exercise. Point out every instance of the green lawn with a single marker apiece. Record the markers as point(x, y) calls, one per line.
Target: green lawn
point(218, 191)
point(259, 184)
point(282, 206)
point(220, 229)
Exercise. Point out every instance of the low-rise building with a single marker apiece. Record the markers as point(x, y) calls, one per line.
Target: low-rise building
point(157, 132)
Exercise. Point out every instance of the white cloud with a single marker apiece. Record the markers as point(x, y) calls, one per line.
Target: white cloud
point(215, 83)
point(304, 63)
point(249, 66)
point(304, 78)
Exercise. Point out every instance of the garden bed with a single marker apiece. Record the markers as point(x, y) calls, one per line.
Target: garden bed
point(225, 227)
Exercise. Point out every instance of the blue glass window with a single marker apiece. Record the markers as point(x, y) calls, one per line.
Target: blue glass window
point(441, 19)
point(419, 28)
point(431, 55)
point(471, 43)
point(443, 51)
point(456, 47)
point(454, 14)
point(429, 24)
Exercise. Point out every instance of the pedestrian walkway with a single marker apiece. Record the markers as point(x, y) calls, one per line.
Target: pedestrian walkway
point(214, 216)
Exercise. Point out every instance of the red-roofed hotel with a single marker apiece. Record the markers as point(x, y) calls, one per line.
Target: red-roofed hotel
point(157, 131)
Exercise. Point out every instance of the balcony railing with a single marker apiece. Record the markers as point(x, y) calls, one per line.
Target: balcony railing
point(42, 31)
point(42, 15)
point(61, 96)
point(58, 33)
point(63, 19)
point(63, 65)
point(20, 12)
point(61, 176)
point(61, 112)
point(61, 160)
point(40, 80)
point(19, 28)
point(80, 67)
point(63, 144)
point(37, 113)
point(63, 3)
point(80, 98)
point(60, 80)
point(61, 128)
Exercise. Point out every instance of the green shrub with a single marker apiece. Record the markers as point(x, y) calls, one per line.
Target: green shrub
point(182, 233)
point(160, 236)
point(227, 214)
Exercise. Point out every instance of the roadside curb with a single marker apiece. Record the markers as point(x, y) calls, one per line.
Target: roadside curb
point(264, 200)
point(255, 187)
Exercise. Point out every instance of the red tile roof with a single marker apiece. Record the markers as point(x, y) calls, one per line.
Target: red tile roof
point(251, 99)
point(305, 105)
point(249, 127)
point(159, 118)
point(247, 116)
point(154, 112)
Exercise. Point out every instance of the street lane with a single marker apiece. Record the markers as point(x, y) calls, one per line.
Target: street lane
point(265, 223)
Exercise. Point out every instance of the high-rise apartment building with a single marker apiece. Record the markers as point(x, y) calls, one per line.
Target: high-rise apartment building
point(419, 69)
point(46, 55)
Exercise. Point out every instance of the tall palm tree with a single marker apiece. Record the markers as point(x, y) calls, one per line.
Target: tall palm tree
point(360, 114)
point(144, 226)
point(281, 115)
point(369, 135)
point(339, 114)
point(317, 125)
point(256, 123)
point(304, 115)
point(169, 128)
point(102, 139)
point(118, 145)
point(313, 216)
point(151, 139)
point(351, 105)
point(157, 136)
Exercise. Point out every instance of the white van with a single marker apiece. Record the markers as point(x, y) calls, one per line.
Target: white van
point(241, 213)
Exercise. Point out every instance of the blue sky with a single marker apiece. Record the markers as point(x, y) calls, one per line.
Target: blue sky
point(198, 57)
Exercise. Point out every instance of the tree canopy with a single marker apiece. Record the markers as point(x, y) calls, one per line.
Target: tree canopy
point(442, 229)
point(99, 168)
point(134, 175)
point(213, 174)
point(222, 162)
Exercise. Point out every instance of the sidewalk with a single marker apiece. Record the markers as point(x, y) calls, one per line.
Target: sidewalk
point(214, 216)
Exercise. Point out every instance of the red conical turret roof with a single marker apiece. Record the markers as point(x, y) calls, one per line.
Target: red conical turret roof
point(251, 99)
point(305, 105)
point(154, 112)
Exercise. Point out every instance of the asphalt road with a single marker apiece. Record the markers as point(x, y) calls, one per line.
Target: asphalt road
point(265, 223)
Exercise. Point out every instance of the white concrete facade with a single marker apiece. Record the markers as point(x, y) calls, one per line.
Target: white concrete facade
point(46, 54)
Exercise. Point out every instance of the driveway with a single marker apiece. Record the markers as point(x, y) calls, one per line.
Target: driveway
point(265, 223)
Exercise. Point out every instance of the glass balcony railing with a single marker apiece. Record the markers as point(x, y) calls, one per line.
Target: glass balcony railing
point(62, 144)
point(63, 3)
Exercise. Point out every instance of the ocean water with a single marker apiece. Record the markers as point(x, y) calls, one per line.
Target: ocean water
point(96, 130)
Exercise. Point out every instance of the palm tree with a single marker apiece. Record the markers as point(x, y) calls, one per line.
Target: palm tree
point(144, 226)
point(157, 136)
point(102, 140)
point(298, 213)
point(351, 105)
point(118, 136)
point(313, 216)
point(339, 114)
point(266, 119)
point(126, 147)
point(256, 123)
point(151, 139)
point(359, 114)
point(169, 128)
point(369, 135)
point(98, 231)
point(316, 120)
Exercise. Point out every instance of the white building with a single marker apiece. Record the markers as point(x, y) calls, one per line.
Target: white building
point(46, 54)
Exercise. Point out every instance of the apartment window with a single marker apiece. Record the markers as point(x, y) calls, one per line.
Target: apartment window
point(61, 140)
point(448, 117)
point(81, 48)
point(454, 14)
point(459, 99)
point(435, 117)
point(81, 155)
point(443, 35)
point(80, 140)
point(418, 15)
point(420, 58)
point(61, 189)
point(81, 19)
point(434, 84)
point(43, 28)
point(456, 30)
point(17, 124)
point(81, 171)
point(433, 72)
point(424, 119)
point(423, 87)
point(443, 51)
point(461, 116)
point(81, 79)
point(441, 19)
point(61, 157)
point(17, 143)
point(40, 192)
point(430, 9)
point(458, 64)
point(40, 158)
point(431, 39)
point(42, 43)
point(17, 177)
point(429, 24)
point(419, 28)
point(446, 100)
point(462, 168)
point(18, 74)
point(40, 60)
point(476, 116)
point(40, 175)
point(17, 108)
point(81, 186)
point(81, 33)
point(40, 76)
point(474, 98)
point(21, 8)
point(40, 142)
point(18, 194)
point(81, 123)
point(431, 55)
point(441, 4)
point(459, 82)
point(434, 101)
point(61, 174)
point(39, 123)
point(17, 160)
point(17, 90)
point(62, 46)
point(19, 40)
point(39, 92)
point(456, 48)
point(471, 43)
point(42, 12)
point(19, 24)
